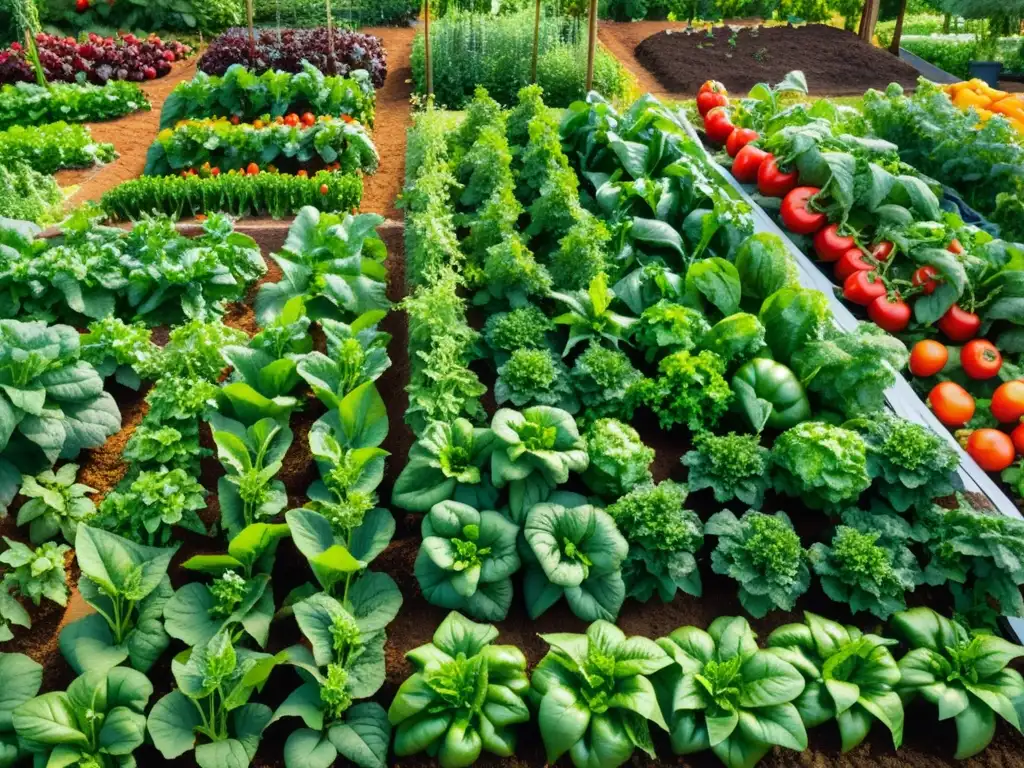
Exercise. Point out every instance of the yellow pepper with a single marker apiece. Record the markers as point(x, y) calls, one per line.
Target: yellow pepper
point(966, 99)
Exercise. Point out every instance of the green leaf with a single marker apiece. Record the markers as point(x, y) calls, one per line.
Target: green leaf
point(172, 723)
point(364, 736)
point(49, 719)
point(222, 754)
point(718, 281)
point(21, 680)
point(308, 749)
point(563, 720)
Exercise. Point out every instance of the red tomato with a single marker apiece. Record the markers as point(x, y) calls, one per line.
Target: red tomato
point(713, 86)
point(992, 449)
point(1018, 438)
point(252, 169)
point(891, 314)
point(747, 163)
point(980, 359)
point(235, 120)
point(1008, 402)
point(850, 262)
point(308, 118)
point(880, 251)
point(955, 246)
point(291, 120)
point(771, 182)
point(959, 324)
point(928, 357)
point(81, 5)
point(302, 174)
point(925, 279)
point(718, 125)
point(795, 215)
point(738, 139)
point(708, 100)
point(215, 171)
point(830, 245)
point(324, 189)
point(863, 287)
point(953, 405)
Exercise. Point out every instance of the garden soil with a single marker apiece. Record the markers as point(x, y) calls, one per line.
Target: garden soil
point(835, 62)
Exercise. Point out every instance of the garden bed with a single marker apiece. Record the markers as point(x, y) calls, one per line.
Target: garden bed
point(835, 61)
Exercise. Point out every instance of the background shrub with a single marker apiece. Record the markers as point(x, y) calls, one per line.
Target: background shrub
point(347, 13)
point(105, 18)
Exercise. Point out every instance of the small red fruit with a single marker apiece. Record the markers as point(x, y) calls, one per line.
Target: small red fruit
point(851, 261)
point(747, 163)
point(291, 120)
point(924, 278)
point(980, 359)
point(863, 287)
point(323, 189)
point(1008, 402)
point(955, 246)
point(772, 182)
point(718, 125)
point(830, 245)
point(880, 251)
point(953, 405)
point(149, 73)
point(252, 169)
point(891, 314)
point(1018, 438)
point(992, 449)
point(959, 324)
point(738, 139)
point(928, 357)
point(308, 119)
point(796, 216)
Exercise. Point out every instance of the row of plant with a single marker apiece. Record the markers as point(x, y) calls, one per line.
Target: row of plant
point(244, 95)
point(51, 147)
point(917, 271)
point(98, 60)
point(351, 13)
point(29, 195)
point(285, 50)
point(28, 104)
point(107, 17)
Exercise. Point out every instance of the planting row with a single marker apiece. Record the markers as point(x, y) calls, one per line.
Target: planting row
point(918, 271)
point(26, 104)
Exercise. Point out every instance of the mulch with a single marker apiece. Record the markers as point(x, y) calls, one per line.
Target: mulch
point(835, 62)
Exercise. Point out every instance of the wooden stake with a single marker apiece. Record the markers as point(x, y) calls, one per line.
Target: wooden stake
point(536, 43)
point(426, 48)
point(591, 45)
point(897, 35)
point(330, 38)
point(252, 33)
point(868, 20)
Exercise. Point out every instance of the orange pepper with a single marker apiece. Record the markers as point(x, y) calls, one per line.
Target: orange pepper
point(966, 99)
point(1010, 106)
point(1018, 124)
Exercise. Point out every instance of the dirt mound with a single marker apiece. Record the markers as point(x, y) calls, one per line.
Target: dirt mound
point(836, 62)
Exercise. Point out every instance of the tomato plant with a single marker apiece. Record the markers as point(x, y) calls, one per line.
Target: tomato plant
point(958, 324)
point(1018, 438)
point(890, 313)
point(952, 404)
point(772, 181)
point(830, 245)
point(1008, 402)
point(797, 216)
point(980, 359)
point(747, 163)
point(928, 357)
point(992, 449)
point(863, 287)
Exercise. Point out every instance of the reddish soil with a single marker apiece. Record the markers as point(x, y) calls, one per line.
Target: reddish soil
point(835, 62)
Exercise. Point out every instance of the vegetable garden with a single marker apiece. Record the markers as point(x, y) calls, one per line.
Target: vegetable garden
point(646, 430)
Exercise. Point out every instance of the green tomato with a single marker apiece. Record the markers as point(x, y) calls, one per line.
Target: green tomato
point(778, 385)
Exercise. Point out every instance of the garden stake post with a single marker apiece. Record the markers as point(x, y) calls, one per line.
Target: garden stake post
point(252, 34)
point(897, 35)
point(428, 63)
point(330, 38)
point(591, 45)
point(536, 42)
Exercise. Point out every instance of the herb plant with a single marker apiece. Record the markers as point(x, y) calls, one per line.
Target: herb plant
point(36, 573)
point(22, 678)
point(763, 553)
point(465, 696)
point(594, 696)
point(733, 466)
point(56, 504)
point(619, 460)
point(725, 694)
point(965, 674)
point(466, 560)
point(823, 465)
point(849, 676)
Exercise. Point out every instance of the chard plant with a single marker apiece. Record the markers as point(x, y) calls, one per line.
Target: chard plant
point(732, 466)
point(344, 663)
point(22, 679)
point(465, 696)
point(356, 354)
point(763, 553)
point(447, 462)
point(573, 550)
point(849, 677)
point(99, 721)
point(36, 573)
point(723, 693)
point(211, 701)
point(588, 315)
point(966, 674)
point(252, 456)
point(127, 585)
point(466, 560)
point(239, 599)
point(56, 504)
point(594, 697)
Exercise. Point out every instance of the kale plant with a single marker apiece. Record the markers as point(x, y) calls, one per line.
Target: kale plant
point(56, 504)
point(154, 444)
point(690, 390)
point(733, 466)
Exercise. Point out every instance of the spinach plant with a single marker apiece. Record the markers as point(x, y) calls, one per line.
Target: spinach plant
point(37, 573)
point(252, 456)
point(965, 674)
point(465, 696)
point(56, 504)
point(127, 585)
point(22, 678)
point(725, 694)
point(214, 684)
point(594, 698)
point(466, 560)
point(99, 721)
point(849, 676)
point(589, 315)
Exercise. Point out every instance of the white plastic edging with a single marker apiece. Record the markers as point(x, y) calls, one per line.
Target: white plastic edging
point(901, 397)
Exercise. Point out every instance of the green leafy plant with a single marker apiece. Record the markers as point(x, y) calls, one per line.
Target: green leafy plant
point(356, 354)
point(589, 315)
point(535, 377)
point(575, 550)
point(36, 573)
point(690, 390)
point(100, 720)
point(119, 349)
point(866, 571)
point(733, 466)
point(345, 663)
point(466, 560)
point(725, 694)
point(154, 445)
point(127, 585)
point(148, 507)
point(525, 327)
point(465, 696)
point(792, 317)
point(49, 148)
point(602, 379)
point(619, 460)
point(594, 696)
point(823, 465)
point(663, 537)
point(22, 678)
point(667, 327)
point(28, 195)
point(764, 266)
point(512, 274)
point(541, 441)
point(737, 339)
point(56, 504)
point(193, 350)
point(27, 104)
point(214, 684)
point(849, 677)
point(965, 674)
point(763, 553)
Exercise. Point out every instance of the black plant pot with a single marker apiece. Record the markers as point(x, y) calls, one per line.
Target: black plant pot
point(986, 70)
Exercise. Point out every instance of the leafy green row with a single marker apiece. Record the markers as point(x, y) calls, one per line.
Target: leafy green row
point(28, 195)
point(28, 104)
point(48, 148)
point(245, 95)
point(595, 695)
point(272, 194)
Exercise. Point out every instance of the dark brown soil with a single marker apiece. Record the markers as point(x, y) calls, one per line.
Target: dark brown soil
point(835, 62)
